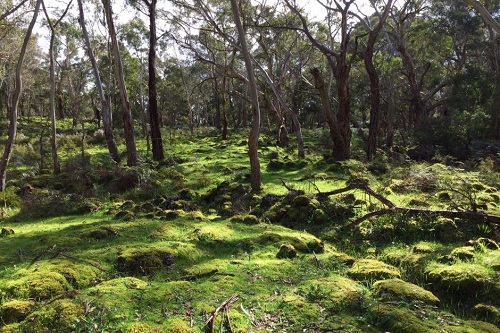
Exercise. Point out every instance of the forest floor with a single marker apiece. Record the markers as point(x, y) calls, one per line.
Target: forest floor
point(185, 246)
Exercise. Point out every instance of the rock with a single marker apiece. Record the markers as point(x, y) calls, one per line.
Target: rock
point(446, 230)
point(7, 232)
point(483, 243)
point(286, 251)
point(15, 311)
point(462, 279)
point(396, 289)
point(488, 313)
point(144, 262)
point(463, 253)
point(59, 315)
point(369, 269)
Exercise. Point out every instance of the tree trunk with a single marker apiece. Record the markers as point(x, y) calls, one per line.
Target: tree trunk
point(9, 145)
point(106, 114)
point(374, 129)
point(224, 113)
point(319, 84)
point(154, 121)
point(128, 126)
point(253, 140)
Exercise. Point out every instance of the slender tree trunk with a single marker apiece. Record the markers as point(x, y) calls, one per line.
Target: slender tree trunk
point(9, 145)
point(106, 114)
point(224, 112)
point(253, 140)
point(319, 83)
point(374, 130)
point(128, 126)
point(154, 121)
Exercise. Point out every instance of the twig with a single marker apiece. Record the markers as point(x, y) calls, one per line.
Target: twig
point(223, 307)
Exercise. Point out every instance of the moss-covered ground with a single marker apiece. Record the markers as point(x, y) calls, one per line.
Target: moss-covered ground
point(162, 246)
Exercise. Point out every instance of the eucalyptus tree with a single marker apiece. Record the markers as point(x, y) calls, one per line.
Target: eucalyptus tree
point(374, 30)
point(154, 119)
point(132, 158)
point(106, 114)
point(339, 61)
point(13, 103)
point(52, 59)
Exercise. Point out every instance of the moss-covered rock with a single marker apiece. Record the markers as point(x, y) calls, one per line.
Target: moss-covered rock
point(6, 232)
point(56, 316)
point(483, 243)
point(144, 262)
point(304, 243)
point(488, 313)
point(286, 251)
point(335, 293)
point(422, 248)
point(143, 328)
point(248, 219)
point(39, 285)
point(396, 289)
point(369, 269)
point(401, 320)
point(463, 253)
point(15, 311)
point(11, 328)
point(464, 278)
point(446, 230)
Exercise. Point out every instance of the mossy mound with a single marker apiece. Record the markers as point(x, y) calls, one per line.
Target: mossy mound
point(142, 328)
point(463, 278)
point(337, 257)
point(488, 313)
point(56, 316)
point(446, 230)
point(15, 311)
point(396, 289)
point(286, 251)
point(144, 262)
point(11, 328)
point(483, 243)
point(102, 233)
point(304, 243)
point(401, 320)
point(369, 269)
point(6, 232)
point(248, 219)
point(334, 293)
point(38, 285)
point(78, 275)
point(463, 253)
point(177, 325)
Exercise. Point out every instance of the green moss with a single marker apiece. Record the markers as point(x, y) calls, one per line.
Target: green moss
point(142, 328)
point(463, 253)
point(39, 285)
point(369, 269)
point(465, 278)
point(336, 293)
point(396, 289)
point(15, 311)
point(56, 316)
point(286, 251)
point(446, 230)
point(488, 313)
point(177, 325)
point(144, 262)
point(483, 243)
point(304, 243)
point(399, 320)
point(245, 219)
point(11, 328)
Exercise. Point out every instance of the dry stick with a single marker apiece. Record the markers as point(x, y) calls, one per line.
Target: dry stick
point(225, 305)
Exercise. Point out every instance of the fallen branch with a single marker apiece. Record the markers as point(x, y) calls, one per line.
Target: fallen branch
point(478, 216)
point(223, 307)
